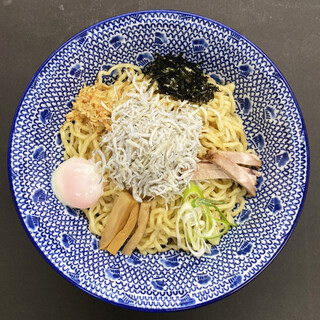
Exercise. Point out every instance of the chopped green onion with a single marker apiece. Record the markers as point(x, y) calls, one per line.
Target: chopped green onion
point(199, 226)
point(193, 229)
point(206, 202)
point(211, 203)
point(192, 190)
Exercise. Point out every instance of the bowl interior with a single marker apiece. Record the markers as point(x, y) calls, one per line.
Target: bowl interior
point(171, 280)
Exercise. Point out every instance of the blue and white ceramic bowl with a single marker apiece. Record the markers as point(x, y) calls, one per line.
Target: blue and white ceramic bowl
point(172, 280)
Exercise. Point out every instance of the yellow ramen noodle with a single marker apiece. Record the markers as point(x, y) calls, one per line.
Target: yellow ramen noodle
point(222, 129)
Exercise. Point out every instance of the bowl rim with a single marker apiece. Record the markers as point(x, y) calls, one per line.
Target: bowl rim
point(106, 21)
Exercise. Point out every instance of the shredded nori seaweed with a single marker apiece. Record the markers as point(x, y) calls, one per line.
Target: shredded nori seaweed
point(181, 78)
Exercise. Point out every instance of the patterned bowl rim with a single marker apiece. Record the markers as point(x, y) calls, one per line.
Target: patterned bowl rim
point(106, 21)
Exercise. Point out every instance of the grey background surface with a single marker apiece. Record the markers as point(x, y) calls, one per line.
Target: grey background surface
point(287, 31)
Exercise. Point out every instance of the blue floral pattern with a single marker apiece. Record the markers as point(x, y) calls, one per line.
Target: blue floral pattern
point(171, 280)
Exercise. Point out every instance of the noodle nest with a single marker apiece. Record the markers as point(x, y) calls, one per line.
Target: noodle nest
point(222, 129)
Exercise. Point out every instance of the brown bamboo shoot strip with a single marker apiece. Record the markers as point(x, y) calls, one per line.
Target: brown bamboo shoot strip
point(117, 219)
point(123, 235)
point(138, 234)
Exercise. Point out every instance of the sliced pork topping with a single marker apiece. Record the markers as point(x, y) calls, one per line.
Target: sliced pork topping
point(243, 158)
point(223, 164)
point(208, 170)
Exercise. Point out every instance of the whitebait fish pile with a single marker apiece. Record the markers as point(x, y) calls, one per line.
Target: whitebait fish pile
point(152, 151)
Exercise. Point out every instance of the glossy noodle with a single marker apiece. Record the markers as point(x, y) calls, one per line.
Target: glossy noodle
point(222, 129)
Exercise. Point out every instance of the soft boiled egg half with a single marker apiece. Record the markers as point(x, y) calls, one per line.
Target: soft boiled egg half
point(77, 184)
